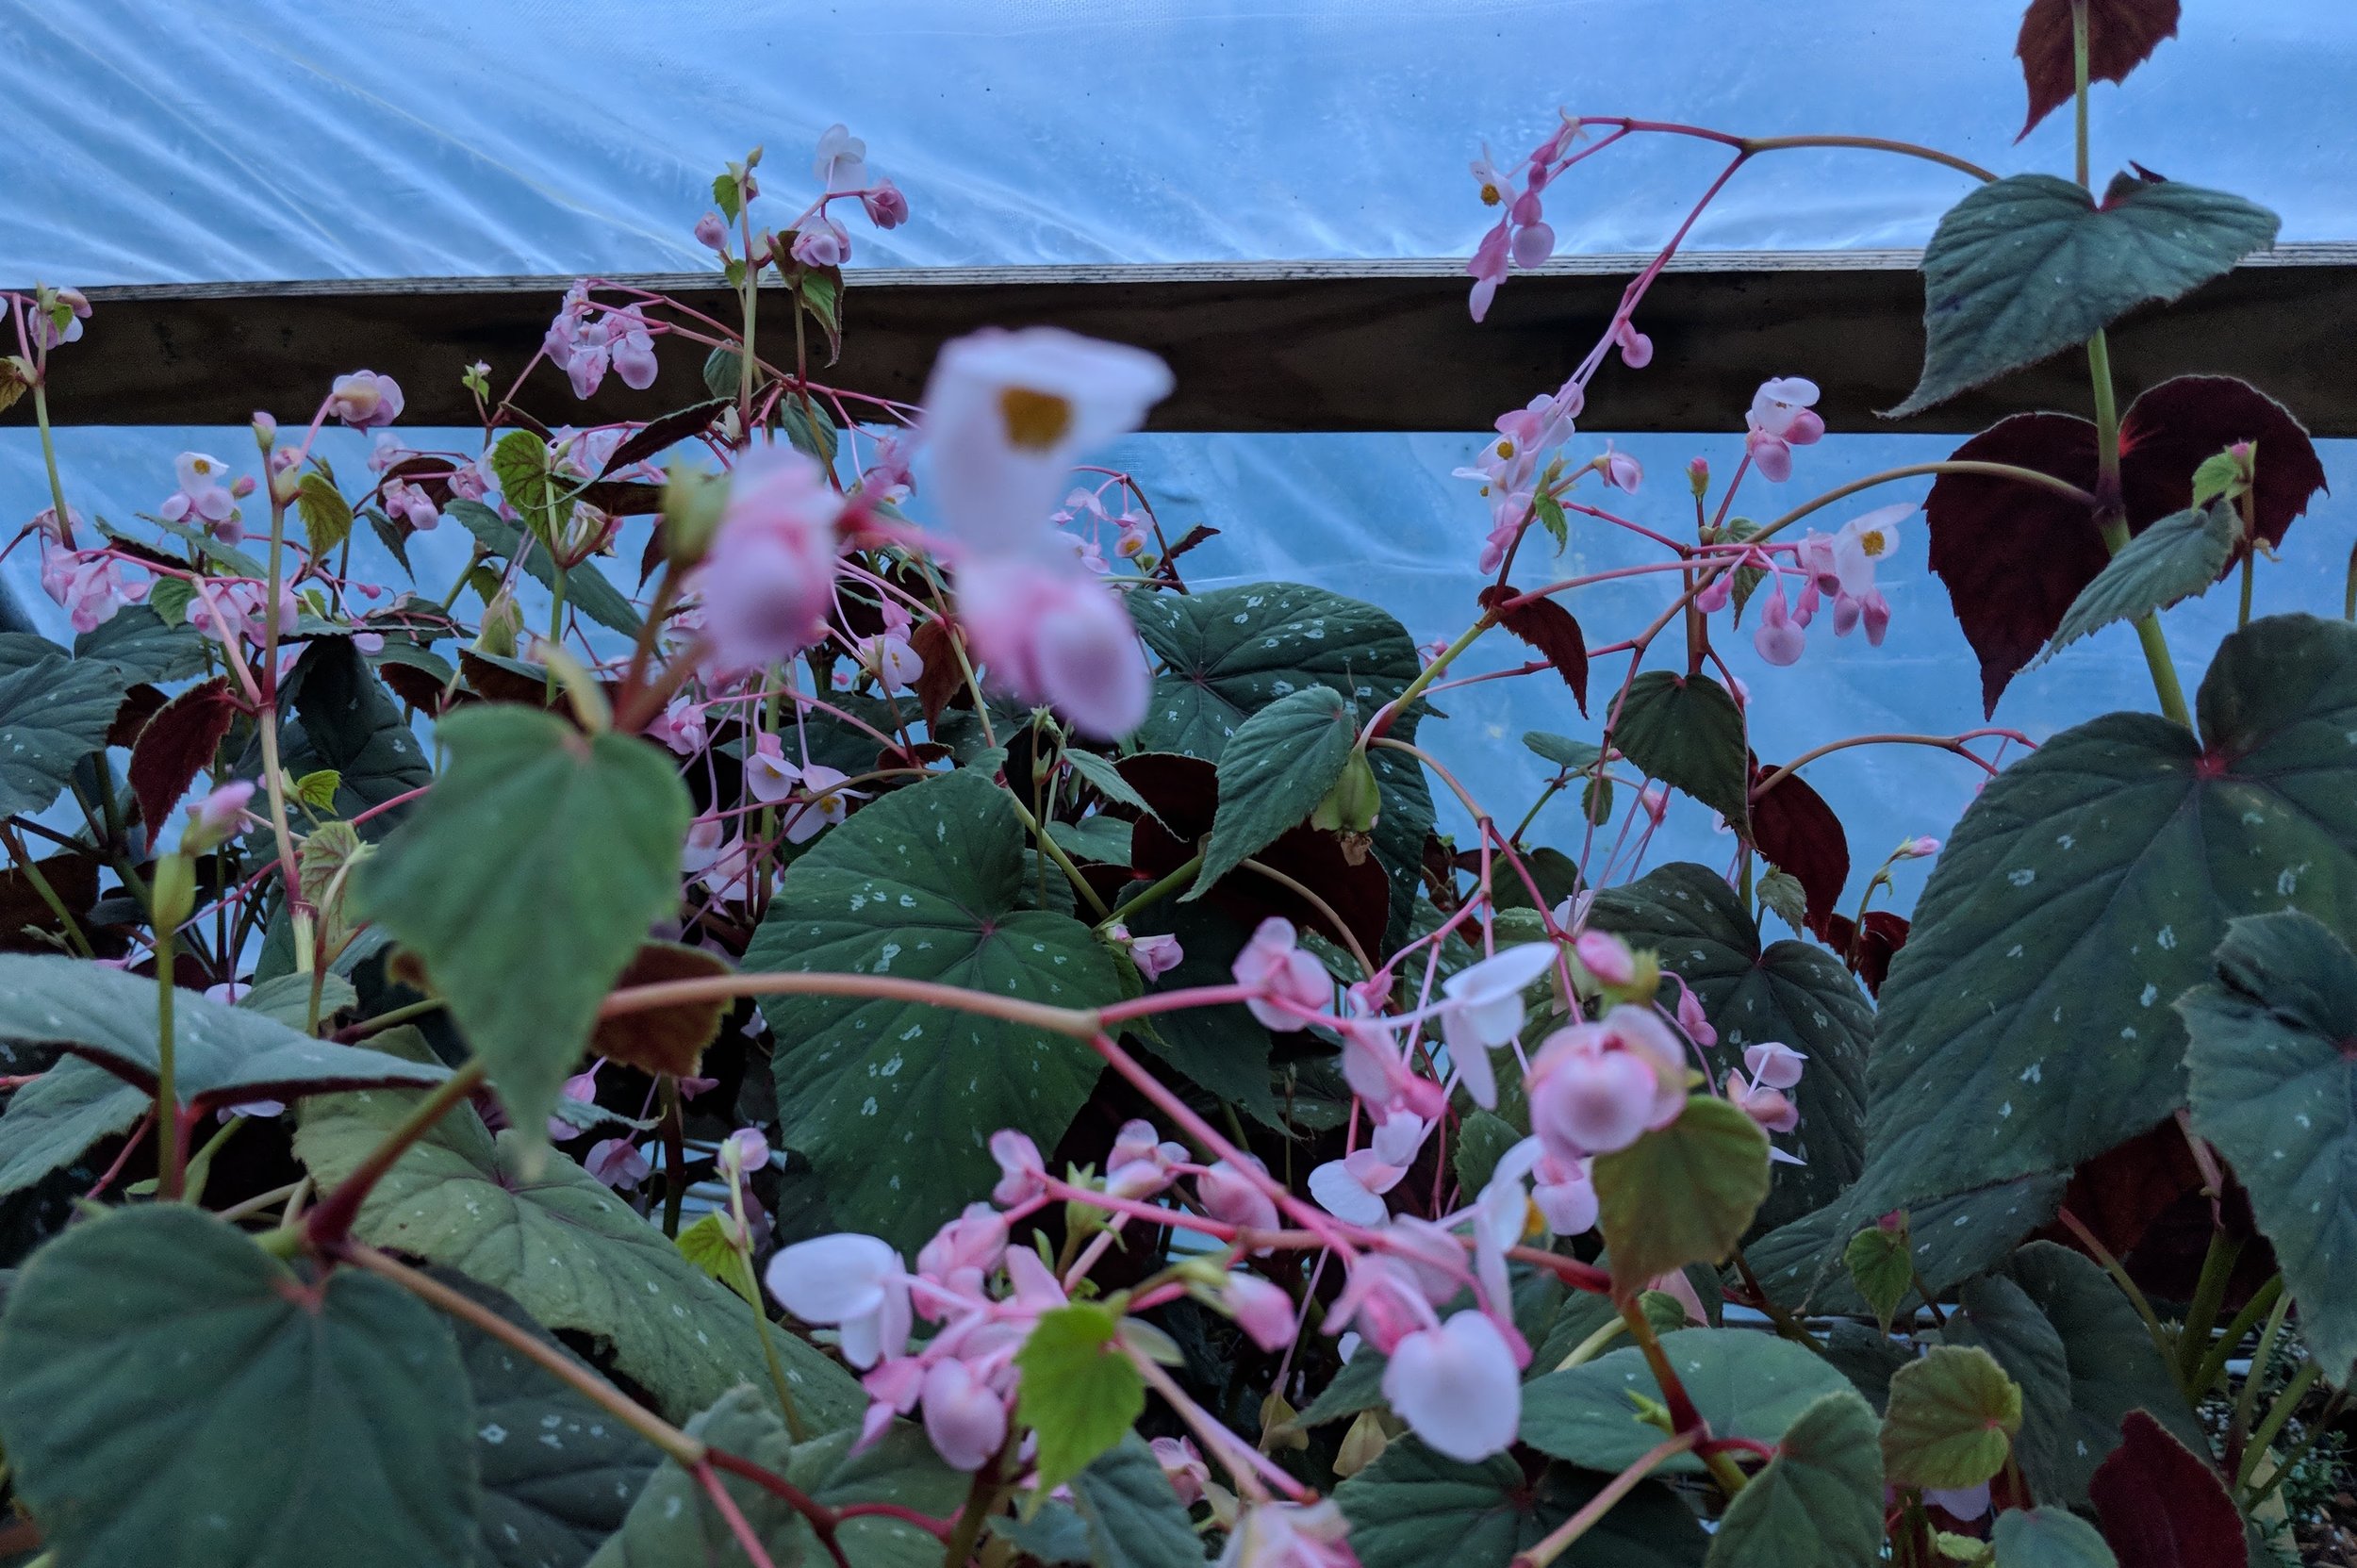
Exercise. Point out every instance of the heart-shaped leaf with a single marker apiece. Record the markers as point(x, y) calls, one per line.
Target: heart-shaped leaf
point(925, 884)
point(1413, 1508)
point(1133, 1518)
point(664, 1039)
point(1551, 629)
point(2162, 1503)
point(1273, 772)
point(1078, 1390)
point(1793, 827)
point(1682, 1194)
point(2030, 265)
point(2049, 1538)
point(2121, 35)
point(1952, 1419)
point(60, 1116)
point(1686, 730)
point(141, 1350)
point(177, 744)
point(336, 717)
point(1819, 1501)
point(1745, 1384)
point(53, 713)
point(138, 644)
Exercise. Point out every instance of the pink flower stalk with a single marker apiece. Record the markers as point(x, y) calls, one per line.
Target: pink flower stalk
point(1457, 1387)
point(618, 1163)
point(768, 579)
point(1483, 1010)
point(1263, 1312)
point(1597, 1087)
point(1352, 1188)
point(1290, 1535)
point(1022, 1175)
point(852, 1282)
point(1781, 419)
point(1290, 982)
point(203, 491)
point(365, 400)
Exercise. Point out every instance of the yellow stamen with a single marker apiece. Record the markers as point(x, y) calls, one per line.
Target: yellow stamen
point(1874, 541)
point(1035, 421)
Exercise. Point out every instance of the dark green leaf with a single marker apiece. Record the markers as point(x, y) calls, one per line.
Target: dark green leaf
point(137, 643)
point(1222, 1049)
point(1273, 772)
point(52, 714)
point(1820, 1501)
point(1682, 1194)
point(1954, 1238)
point(1792, 992)
point(531, 819)
point(1359, 1386)
point(288, 999)
point(169, 1393)
point(345, 722)
point(61, 1115)
point(571, 1253)
point(1078, 1390)
point(2175, 558)
point(925, 884)
point(22, 649)
point(1415, 1509)
point(1134, 1519)
point(2050, 1537)
point(1867, 1356)
point(1574, 756)
point(1481, 1142)
point(586, 588)
point(1952, 1419)
point(1101, 776)
point(2028, 266)
point(1745, 1384)
point(1102, 839)
point(1686, 730)
point(2083, 891)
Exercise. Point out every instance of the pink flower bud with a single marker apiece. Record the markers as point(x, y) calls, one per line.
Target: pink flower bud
point(1260, 1310)
point(1282, 973)
point(1533, 243)
point(887, 208)
point(1607, 957)
point(1022, 1175)
point(712, 233)
point(743, 1150)
point(1698, 475)
point(1156, 956)
point(1918, 848)
point(965, 1421)
point(617, 1164)
point(1693, 1020)
point(1232, 1197)
point(218, 815)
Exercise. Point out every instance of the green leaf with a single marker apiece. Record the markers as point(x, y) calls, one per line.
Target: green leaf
point(288, 999)
point(894, 1101)
point(1550, 514)
point(1102, 839)
point(2175, 558)
point(343, 721)
point(169, 1393)
point(317, 789)
point(53, 715)
point(22, 649)
point(674, 1523)
point(1880, 1269)
point(1792, 992)
point(1077, 1390)
point(137, 643)
point(1224, 1050)
point(1820, 1501)
point(61, 1115)
point(1134, 1519)
point(1481, 1142)
point(571, 1253)
point(586, 588)
point(2221, 476)
point(1574, 756)
point(809, 429)
point(1953, 1239)
point(1745, 1384)
point(1782, 895)
point(170, 597)
point(706, 1244)
point(221, 1055)
point(1275, 768)
point(1952, 1419)
point(530, 820)
point(225, 558)
point(326, 515)
point(2048, 1537)
point(1682, 1194)
point(2028, 266)
point(727, 195)
point(521, 463)
point(723, 369)
point(1686, 730)
point(1101, 776)
point(2083, 891)
point(558, 1471)
point(2275, 1088)
point(1359, 1386)
point(1415, 1509)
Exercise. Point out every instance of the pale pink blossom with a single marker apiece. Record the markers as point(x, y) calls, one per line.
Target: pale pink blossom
point(1052, 634)
point(1283, 974)
point(89, 584)
point(1483, 1010)
point(885, 205)
point(1156, 956)
point(1533, 243)
point(1777, 638)
point(1378, 1071)
point(365, 400)
point(43, 329)
point(1495, 188)
point(1233, 1198)
point(1773, 1063)
point(1597, 1087)
point(841, 161)
point(768, 775)
point(1620, 469)
point(1142, 1162)
point(1692, 1019)
point(582, 1089)
point(618, 1163)
point(1772, 1108)
point(1780, 419)
point(1352, 1188)
point(890, 660)
point(824, 802)
point(1489, 266)
point(822, 244)
point(203, 492)
point(1457, 1387)
point(680, 726)
point(1290, 1535)
point(744, 1151)
point(1263, 1312)
point(406, 503)
point(961, 1254)
point(1565, 1192)
point(965, 1420)
point(1022, 1175)
point(220, 813)
point(768, 580)
point(240, 611)
point(712, 233)
point(855, 1284)
point(1183, 1467)
point(1607, 957)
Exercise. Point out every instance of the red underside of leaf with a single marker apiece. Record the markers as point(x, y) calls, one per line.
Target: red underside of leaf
point(1868, 952)
point(1550, 628)
point(2164, 1507)
point(2121, 35)
point(1794, 828)
point(176, 745)
point(2171, 429)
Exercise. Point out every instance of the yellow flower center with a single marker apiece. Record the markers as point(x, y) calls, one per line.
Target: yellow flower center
point(1506, 446)
point(1534, 1222)
point(1491, 194)
point(201, 466)
point(1035, 421)
point(1875, 542)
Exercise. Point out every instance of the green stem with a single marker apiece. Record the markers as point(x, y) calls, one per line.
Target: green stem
point(384, 1021)
point(1756, 144)
point(1178, 877)
point(1424, 677)
point(39, 884)
point(1532, 814)
point(2247, 1401)
point(1588, 1348)
point(2078, 78)
point(763, 1328)
point(169, 1153)
point(1053, 850)
point(674, 1157)
point(2285, 1403)
point(2209, 1289)
point(49, 459)
point(465, 573)
point(556, 627)
point(2316, 1428)
point(1683, 1415)
point(2112, 521)
point(2161, 1341)
point(273, 776)
point(201, 1162)
point(2213, 1365)
point(982, 1501)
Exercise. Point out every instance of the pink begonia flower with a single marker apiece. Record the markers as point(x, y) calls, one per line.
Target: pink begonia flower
point(1487, 266)
point(1597, 1087)
point(634, 348)
point(1675, 1285)
point(963, 1253)
point(1457, 1387)
point(1183, 1467)
point(886, 207)
point(1863, 543)
point(841, 161)
point(744, 1151)
point(617, 1162)
point(1776, 639)
point(1385, 1299)
point(1281, 972)
point(385, 452)
point(1007, 414)
point(249, 1108)
point(202, 491)
point(855, 1284)
point(822, 244)
point(768, 580)
point(712, 233)
point(1352, 1187)
point(45, 332)
point(1290, 1535)
point(89, 584)
point(1263, 1312)
point(1772, 1108)
point(1378, 1071)
point(768, 776)
point(1483, 1010)
point(1773, 1063)
point(1142, 1161)
point(1607, 957)
point(1781, 419)
point(240, 611)
point(1565, 1193)
point(1692, 1019)
point(1636, 353)
point(680, 726)
point(1022, 1175)
point(825, 802)
point(1917, 848)
point(702, 846)
point(1533, 243)
point(1620, 469)
point(1052, 634)
point(890, 660)
point(581, 1088)
point(1495, 188)
point(1233, 1198)
point(965, 1420)
point(1156, 956)
point(406, 503)
point(221, 812)
point(365, 400)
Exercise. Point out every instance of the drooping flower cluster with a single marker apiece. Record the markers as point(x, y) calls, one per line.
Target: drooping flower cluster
point(584, 340)
point(1522, 237)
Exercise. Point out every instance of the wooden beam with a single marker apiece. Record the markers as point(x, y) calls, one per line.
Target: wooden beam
point(1360, 345)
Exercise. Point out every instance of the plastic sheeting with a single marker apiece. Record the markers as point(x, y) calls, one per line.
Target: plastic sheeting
point(205, 140)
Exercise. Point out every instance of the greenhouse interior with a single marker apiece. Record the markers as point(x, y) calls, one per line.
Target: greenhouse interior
point(1145, 783)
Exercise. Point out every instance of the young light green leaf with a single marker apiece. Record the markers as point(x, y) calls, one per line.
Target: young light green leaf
point(1686, 730)
point(2275, 1088)
point(1574, 756)
point(526, 881)
point(1952, 1419)
point(141, 1347)
point(2031, 265)
point(1819, 1502)
point(326, 515)
point(2222, 476)
point(1273, 769)
point(706, 1244)
point(1077, 1391)
point(1682, 1194)
point(2176, 559)
point(521, 463)
point(1882, 1268)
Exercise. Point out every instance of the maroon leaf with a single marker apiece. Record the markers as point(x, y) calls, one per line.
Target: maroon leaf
point(1868, 953)
point(72, 877)
point(176, 745)
point(658, 435)
point(420, 688)
point(619, 498)
point(1794, 828)
point(658, 546)
point(943, 676)
point(1196, 536)
point(140, 704)
point(2145, 1202)
point(2173, 428)
point(2121, 35)
point(2162, 1506)
point(1548, 627)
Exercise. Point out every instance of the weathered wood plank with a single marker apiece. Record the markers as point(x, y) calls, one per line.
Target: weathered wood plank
point(1374, 345)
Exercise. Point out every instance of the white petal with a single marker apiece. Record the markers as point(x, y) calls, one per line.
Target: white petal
point(832, 1279)
point(1339, 1193)
point(1457, 1387)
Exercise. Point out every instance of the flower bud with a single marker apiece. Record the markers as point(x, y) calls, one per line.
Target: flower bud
point(1354, 803)
point(265, 430)
point(173, 894)
point(1698, 476)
